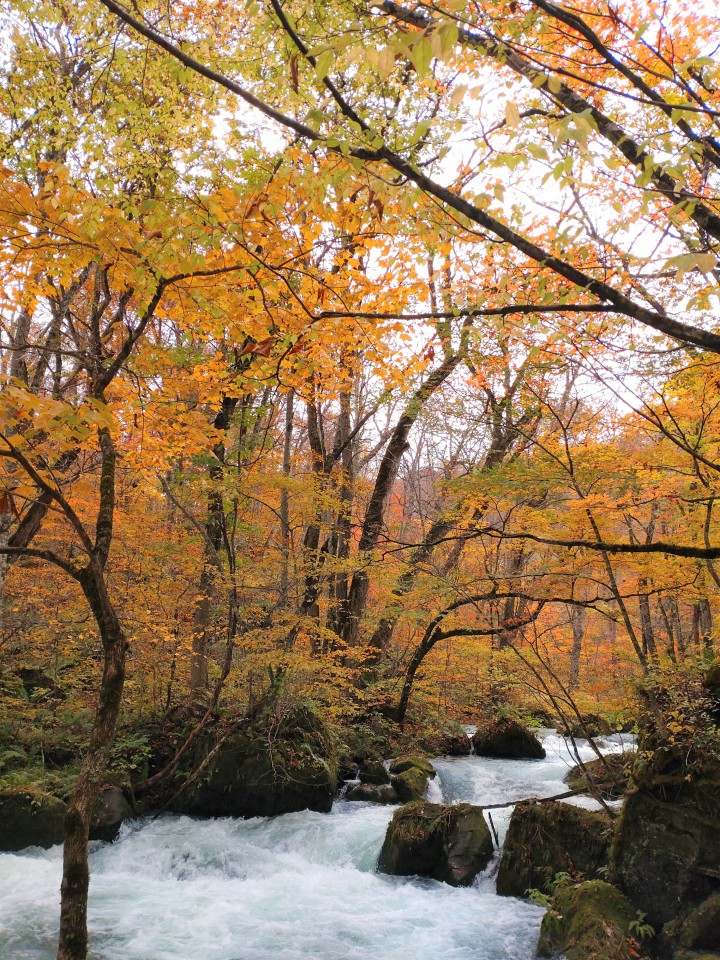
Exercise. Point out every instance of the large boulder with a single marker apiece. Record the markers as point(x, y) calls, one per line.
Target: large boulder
point(111, 809)
point(507, 739)
point(29, 818)
point(667, 848)
point(261, 769)
point(448, 843)
point(545, 839)
point(608, 776)
point(590, 921)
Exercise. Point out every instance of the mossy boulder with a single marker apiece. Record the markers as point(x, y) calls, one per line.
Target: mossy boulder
point(451, 843)
point(410, 775)
point(507, 739)
point(608, 776)
point(590, 921)
point(373, 771)
point(261, 768)
point(373, 793)
point(545, 839)
point(410, 784)
point(29, 818)
point(412, 762)
point(667, 848)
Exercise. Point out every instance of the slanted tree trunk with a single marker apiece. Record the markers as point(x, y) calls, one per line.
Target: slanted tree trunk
point(505, 431)
point(375, 512)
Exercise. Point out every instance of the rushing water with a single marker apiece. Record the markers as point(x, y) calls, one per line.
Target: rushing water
point(298, 886)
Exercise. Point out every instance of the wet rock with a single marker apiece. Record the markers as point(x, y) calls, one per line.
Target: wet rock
point(545, 839)
point(373, 793)
point(590, 921)
point(410, 784)
point(412, 761)
point(110, 811)
point(262, 769)
point(701, 928)
point(373, 771)
point(667, 848)
point(29, 818)
point(609, 776)
point(448, 843)
point(410, 775)
point(507, 739)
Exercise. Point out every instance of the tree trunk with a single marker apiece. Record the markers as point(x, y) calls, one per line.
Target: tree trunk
point(577, 622)
point(646, 626)
point(285, 502)
point(702, 623)
point(73, 940)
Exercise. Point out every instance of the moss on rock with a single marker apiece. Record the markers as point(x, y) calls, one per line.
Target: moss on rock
point(590, 921)
point(544, 839)
point(412, 762)
point(666, 851)
point(448, 843)
point(262, 769)
point(410, 784)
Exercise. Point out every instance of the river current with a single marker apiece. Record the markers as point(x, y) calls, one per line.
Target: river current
point(297, 886)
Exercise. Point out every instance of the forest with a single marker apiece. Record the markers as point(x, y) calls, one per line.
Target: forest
point(358, 382)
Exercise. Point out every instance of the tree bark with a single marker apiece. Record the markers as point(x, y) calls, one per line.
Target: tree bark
point(73, 940)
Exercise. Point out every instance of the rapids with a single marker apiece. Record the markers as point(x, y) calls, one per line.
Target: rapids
point(297, 886)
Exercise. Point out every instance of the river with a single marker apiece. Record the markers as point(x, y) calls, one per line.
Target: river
point(298, 886)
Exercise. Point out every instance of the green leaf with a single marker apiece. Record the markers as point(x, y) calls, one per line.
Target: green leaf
point(324, 62)
point(421, 55)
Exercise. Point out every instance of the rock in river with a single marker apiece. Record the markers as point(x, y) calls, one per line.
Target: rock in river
point(451, 843)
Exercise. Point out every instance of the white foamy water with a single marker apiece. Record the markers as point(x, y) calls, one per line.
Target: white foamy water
point(298, 886)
